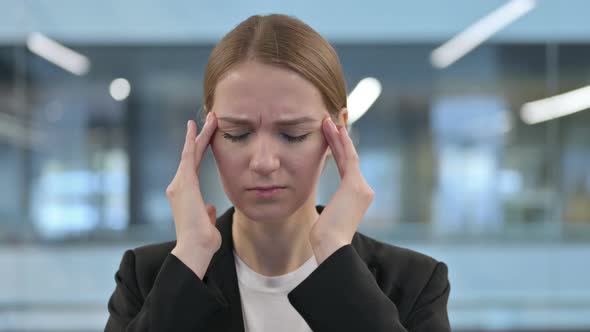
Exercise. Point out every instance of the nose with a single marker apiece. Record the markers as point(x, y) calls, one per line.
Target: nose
point(264, 159)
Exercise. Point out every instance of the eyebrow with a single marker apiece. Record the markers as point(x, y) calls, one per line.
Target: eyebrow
point(286, 122)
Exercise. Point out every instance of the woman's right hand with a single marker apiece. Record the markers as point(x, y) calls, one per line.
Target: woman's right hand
point(197, 238)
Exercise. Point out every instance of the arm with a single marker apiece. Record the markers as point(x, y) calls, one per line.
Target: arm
point(429, 312)
point(178, 300)
point(342, 295)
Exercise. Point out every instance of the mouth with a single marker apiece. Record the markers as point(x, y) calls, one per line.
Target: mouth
point(266, 192)
point(266, 188)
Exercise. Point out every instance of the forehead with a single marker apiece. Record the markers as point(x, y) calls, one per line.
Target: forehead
point(252, 90)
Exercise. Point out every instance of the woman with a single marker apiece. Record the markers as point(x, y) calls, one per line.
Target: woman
point(275, 100)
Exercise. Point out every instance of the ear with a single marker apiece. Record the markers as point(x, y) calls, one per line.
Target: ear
point(343, 116)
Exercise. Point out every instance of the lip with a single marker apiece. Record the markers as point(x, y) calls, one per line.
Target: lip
point(266, 188)
point(267, 192)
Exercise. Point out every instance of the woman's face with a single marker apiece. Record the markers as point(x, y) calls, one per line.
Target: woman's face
point(269, 134)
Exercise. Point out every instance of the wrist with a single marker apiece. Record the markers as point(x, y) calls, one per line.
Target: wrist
point(193, 250)
point(192, 241)
point(324, 248)
point(195, 258)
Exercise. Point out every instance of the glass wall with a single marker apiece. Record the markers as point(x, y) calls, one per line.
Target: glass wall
point(458, 159)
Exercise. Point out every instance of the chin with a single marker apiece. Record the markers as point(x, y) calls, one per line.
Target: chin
point(268, 211)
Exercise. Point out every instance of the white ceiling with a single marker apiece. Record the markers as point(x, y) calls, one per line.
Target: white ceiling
point(184, 21)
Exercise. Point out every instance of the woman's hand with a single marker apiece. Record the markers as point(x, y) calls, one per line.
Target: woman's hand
point(197, 238)
point(340, 219)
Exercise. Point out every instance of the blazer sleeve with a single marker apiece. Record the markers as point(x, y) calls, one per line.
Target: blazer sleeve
point(342, 295)
point(178, 300)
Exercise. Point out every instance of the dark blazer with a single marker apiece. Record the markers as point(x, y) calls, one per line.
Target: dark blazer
point(365, 286)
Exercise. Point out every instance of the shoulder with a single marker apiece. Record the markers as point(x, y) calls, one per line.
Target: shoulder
point(404, 275)
point(153, 253)
point(386, 256)
point(145, 263)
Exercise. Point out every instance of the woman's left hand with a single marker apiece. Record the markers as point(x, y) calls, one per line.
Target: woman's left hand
point(340, 219)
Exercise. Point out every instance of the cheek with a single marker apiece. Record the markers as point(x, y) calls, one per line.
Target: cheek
point(309, 156)
point(226, 158)
point(320, 147)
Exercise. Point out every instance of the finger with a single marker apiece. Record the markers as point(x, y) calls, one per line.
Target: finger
point(204, 138)
point(331, 133)
point(333, 138)
point(349, 151)
point(348, 148)
point(188, 150)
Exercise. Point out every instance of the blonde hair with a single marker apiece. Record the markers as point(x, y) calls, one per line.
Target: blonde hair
point(284, 41)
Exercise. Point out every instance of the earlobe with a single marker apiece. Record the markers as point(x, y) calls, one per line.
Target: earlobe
point(344, 112)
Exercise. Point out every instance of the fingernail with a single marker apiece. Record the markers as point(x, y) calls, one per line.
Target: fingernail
point(188, 124)
point(208, 118)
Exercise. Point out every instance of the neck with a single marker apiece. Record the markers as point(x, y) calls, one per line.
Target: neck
point(276, 248)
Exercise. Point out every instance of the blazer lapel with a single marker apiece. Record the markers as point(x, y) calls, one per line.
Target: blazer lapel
point(221, 276)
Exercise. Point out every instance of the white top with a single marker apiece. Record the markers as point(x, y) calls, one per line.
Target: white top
point(265, 306)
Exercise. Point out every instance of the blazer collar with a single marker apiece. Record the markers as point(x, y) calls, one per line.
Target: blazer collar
point(221, 275)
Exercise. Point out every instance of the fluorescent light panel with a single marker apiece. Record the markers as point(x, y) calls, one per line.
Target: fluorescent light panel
point(556, 106)
point(58, 54)
point(478, 32)
point(362, 97)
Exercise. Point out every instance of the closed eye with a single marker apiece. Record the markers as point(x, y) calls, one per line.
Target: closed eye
point(295, 139)
point(289, 139)
point(235, 138)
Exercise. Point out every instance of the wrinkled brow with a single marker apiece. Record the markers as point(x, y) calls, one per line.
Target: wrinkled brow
point(286, 122)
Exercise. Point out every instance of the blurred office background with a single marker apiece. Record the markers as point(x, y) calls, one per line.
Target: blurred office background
point(94, 97)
